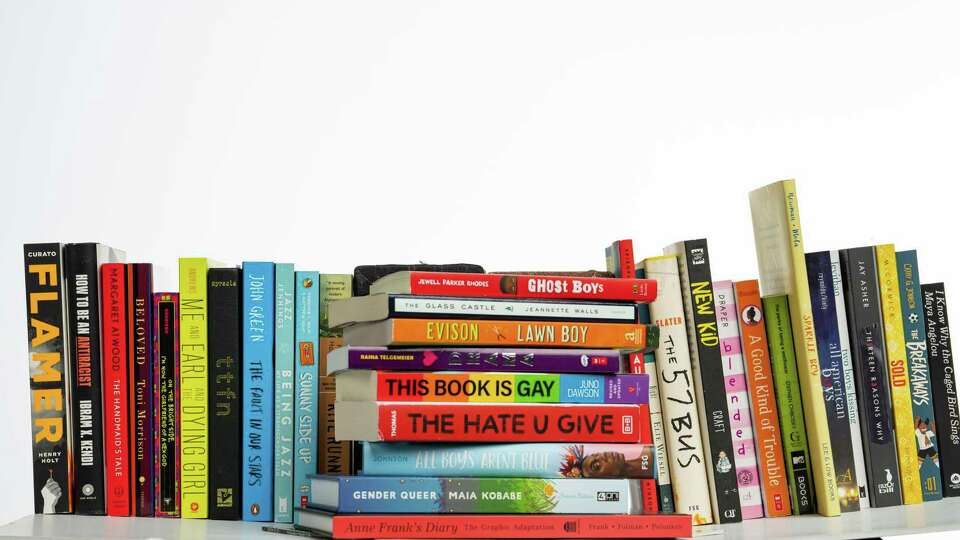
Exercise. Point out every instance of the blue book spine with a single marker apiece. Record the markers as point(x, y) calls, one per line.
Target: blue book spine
point(914, 332)
point(257, 464)
point(283, 390)
point(307, 336)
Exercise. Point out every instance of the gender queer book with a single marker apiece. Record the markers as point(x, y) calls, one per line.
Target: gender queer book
point(116, 390)
point(914, 331)
point(472, 359)
point(140, 361)
point(223, 328)
point(944, 383)
point(307, 333)
point(284, 393)
point(194, 409)
point(166, 404)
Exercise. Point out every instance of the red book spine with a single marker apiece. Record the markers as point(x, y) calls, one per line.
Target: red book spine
point(116, 406)
point(519, 286)
point(648, 486)
point(628, 267)
point(511, 526)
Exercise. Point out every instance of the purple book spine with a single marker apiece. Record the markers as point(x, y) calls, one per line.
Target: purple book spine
point(142, 349)
point(515, 360)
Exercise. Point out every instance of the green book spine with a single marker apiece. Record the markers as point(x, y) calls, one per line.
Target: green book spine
point(194, 412)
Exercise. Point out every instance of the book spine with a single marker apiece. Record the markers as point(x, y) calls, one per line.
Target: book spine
point(511, 526)
point(47, 345)
point(787, 392)
point(944, 385)
point(441, 495)
point(166, 339)
point(194, 413)
point(334, 457)
point(440, 307)
point(520, 286)
point(83, 298)
point(224, 336)
point(620, 260)
point(870, 368)
point(533, 460)
point(517, 360)
point(704, 345)
point(332, 287)
point(928, 452)
point(678, 398)
point(140, 328)
point(116, 389)
point(903, 426)
point(830, 354)
point(284, 392)
point(307, 328)
point(759, 378)
point(663, 490)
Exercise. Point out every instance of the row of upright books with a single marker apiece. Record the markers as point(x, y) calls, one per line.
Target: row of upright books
point(635, 401)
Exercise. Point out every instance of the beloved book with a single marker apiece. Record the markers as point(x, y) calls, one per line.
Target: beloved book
point(306, 333)
point(693, 262)
point(472, 422)
point(865, 321)
point(223, 330)
point(897, 371)
point(763, 405)
point(166, 401)
point(377, 307)
point(472, 359)
point(738, 401)
point(516, 286)
point(140, 360)
point(525, 460)
point(780, 257)
point(678, 398)
point(48, 347)
point(944, 385)
point(620, 260)
point(365, 275)
point(830, 352)
point(787, 392)
point(194, 411)
point(116, 390)
point(466, 495)
point(475, 333)
point(914, 332)
point(283, 390)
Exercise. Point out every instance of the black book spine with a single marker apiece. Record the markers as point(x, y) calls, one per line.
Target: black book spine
point(48, 346)
point(166, 412)
point(224, 334)
point(697, 285)
point(944, 385)
point(862, 291)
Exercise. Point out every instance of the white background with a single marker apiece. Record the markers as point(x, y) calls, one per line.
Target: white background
point(518, 135)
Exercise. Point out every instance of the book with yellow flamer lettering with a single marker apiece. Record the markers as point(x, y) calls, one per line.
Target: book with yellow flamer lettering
point(402, 332)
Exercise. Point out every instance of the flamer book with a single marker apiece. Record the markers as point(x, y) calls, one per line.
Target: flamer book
point(357, 385)
point(693, 263)
point(862, 290)
point(533, 460)
point(464, 495)
point(140, 354)
point(898, 373)
point(194, 411)
point(944, 385)
point(116, 390)
point(283, 359)
point(223, 327)
point(678, 398)
point(759, 378)
point(473, 422)
point(914, 331)
point(783, 271)
point(473, 359)
point(516, 286)
point(468, 332)
point(831, 351)
point(48, 346)
point(305, 424)
point(166, 404)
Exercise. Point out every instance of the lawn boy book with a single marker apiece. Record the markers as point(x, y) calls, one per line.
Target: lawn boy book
point(116, 390)
point(476, 422)
point(783, 271)
point(944, 385)
point(494, 525)
point(862, 290)
point(283, 389)
point(914, 331)
point(48, 346)
point(471, 359)
point(306, 334)
point(82, 276)
point(377, 307)
point(166, 404)
point(524, 460)
point(140, 359)
point(462, 495)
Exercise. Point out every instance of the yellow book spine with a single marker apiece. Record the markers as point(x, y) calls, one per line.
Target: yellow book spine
point(808, 365)
point(194, 414)
point(898, 373)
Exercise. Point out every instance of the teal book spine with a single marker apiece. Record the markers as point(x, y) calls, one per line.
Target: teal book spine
point(283, 358)
point(914, 332)
point(307, 336)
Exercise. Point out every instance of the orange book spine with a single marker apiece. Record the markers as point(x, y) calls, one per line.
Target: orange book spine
point(766, 423)
point(523, 333)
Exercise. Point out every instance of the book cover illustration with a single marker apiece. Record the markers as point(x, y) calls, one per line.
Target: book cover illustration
point(166, 404)
point(285, 293)
point(473, 359)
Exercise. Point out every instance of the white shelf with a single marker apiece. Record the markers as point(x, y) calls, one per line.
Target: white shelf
point(886, 522)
